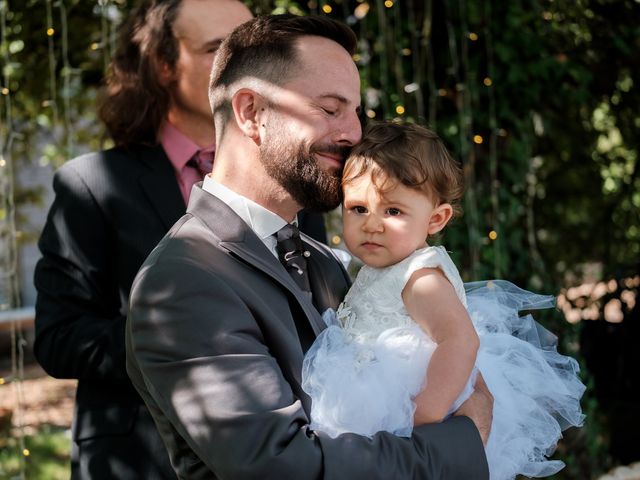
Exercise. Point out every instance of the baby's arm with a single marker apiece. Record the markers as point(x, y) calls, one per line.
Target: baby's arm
point(432, 302)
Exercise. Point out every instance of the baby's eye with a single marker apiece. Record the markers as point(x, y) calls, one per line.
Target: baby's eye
point(358, 209)
point(394, 212)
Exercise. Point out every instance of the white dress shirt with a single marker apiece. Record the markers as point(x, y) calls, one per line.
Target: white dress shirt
point(263, 222)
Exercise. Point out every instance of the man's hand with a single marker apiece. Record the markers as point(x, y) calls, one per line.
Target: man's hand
point(479, 408)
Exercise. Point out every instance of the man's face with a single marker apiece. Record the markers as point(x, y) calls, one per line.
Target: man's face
point(312, 124)
point(199, 28)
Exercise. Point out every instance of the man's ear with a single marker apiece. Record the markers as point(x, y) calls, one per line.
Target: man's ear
point(166, 74)
point(440, 217)
point(247, 108)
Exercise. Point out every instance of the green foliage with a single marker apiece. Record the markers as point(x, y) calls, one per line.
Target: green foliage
point(52, 77)
point(48, 457)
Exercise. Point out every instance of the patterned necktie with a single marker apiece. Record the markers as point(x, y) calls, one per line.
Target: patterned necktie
point(293, 256)
point(202, 160)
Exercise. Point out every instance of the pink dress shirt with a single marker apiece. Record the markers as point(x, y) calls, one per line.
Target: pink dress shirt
point(180, 149)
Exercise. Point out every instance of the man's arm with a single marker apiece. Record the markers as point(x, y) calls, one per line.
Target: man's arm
point(479, 408)
point(79, 326)
point(210, 365)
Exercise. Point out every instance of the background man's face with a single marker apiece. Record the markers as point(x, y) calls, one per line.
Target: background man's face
point(199, 28)
point(313, 124)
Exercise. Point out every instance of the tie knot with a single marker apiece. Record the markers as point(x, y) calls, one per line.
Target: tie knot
point(202, 160)
point(289, 231)
point(289, 242)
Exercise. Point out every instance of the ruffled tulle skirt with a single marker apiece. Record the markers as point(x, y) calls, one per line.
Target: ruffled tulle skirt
point(366, 387)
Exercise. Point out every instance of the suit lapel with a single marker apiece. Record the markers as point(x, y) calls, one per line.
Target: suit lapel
point(240, 240)
point(254, 256)
point(160, 185)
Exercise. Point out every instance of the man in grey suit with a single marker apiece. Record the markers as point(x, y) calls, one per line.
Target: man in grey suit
point(218, 328)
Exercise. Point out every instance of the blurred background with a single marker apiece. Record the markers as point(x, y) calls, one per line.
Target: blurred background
point(539, 100)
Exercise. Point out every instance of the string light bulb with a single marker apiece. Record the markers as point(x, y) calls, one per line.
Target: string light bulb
point(327, 8)
point(51, 31)
point(493, 235)
point(361, 11)
point(473, 36)
point(400, 110)
point(412, 87)
point(388, 3)
point(487, 82)
point(336, 239)
point(478, 139)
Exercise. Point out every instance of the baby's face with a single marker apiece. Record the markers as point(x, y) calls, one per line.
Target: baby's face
point(382, 230)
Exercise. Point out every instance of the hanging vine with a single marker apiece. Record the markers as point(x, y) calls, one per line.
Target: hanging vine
point(9, 288)
point(66, 74)
point(495, 235)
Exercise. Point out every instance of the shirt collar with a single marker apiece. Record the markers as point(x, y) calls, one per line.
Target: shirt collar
point(178, 147)
point(262, 221)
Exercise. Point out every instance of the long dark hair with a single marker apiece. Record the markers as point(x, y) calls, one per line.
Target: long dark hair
point(134, 102)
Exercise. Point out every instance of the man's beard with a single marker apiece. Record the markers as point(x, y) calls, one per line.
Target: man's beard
point(298, 172)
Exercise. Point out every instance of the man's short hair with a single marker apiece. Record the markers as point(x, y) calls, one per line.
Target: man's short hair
point(264, 48)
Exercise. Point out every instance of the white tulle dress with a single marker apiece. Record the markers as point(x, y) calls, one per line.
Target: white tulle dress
point(363, 371)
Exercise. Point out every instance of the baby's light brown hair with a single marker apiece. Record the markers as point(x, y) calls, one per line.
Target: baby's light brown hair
point(410, 154)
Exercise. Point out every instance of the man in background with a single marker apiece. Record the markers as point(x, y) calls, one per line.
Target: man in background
point(110, 210)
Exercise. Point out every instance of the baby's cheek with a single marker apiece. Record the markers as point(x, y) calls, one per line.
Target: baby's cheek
point(347, 236)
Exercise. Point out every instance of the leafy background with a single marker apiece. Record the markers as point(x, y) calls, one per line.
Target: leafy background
point(539, 100)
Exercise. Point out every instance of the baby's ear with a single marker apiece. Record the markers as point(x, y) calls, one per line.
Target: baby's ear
point(440, 217)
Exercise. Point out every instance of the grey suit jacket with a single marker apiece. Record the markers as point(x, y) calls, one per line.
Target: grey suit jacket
point(214, 342)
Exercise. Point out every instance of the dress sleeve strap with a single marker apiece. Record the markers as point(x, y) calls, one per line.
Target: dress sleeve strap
point(435, 257)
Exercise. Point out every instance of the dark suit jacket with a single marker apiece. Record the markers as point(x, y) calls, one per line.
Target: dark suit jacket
point(111, 209)
point(214, 348)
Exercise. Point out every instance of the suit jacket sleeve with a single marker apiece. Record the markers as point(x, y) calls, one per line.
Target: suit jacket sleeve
point(203, 359)
point(79, 322)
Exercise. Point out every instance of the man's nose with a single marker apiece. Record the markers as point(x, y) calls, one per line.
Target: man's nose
point(349, 131)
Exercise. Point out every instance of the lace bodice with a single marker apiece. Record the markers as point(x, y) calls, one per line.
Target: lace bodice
point(374, 302)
